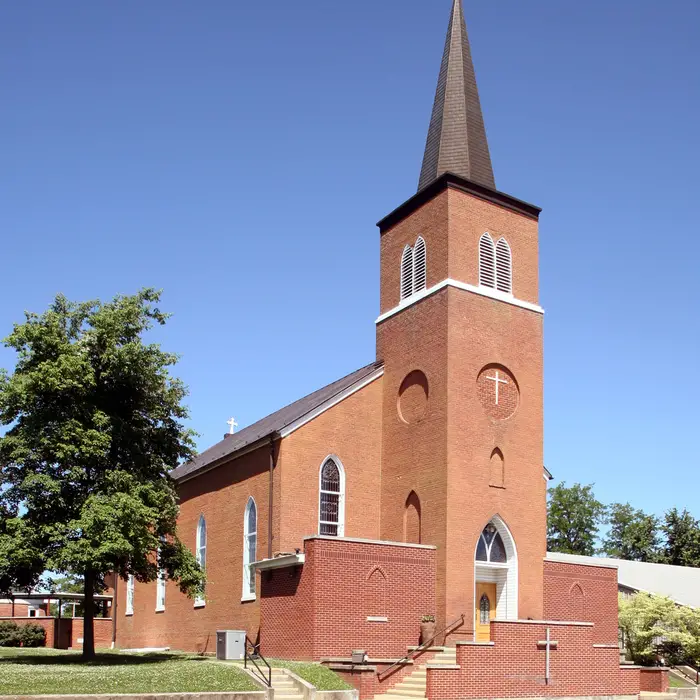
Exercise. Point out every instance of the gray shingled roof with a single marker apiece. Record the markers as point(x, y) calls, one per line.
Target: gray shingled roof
point(457, 136)
point(271, 424)
point(680, 583)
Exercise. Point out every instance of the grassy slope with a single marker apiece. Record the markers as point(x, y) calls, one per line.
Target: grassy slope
point(320, 676)
point(38, 671)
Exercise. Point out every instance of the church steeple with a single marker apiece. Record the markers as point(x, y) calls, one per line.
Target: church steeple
point(457, 137)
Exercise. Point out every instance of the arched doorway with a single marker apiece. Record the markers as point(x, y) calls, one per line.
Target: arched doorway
point(495, 578)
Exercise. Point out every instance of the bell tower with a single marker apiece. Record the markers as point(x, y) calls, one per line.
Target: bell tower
point(460, 335)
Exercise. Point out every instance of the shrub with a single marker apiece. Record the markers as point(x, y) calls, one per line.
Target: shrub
point(32, 635)
point(9, 634)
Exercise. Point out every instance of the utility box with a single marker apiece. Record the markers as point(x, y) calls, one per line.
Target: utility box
point(230, 645)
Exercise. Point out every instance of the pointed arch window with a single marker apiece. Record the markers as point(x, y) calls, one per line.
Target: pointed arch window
point(250, 545)
point(487, 262)
point(504, 267)
point(201, 553)
point(160, 591)
point(490, 547)
point(419, 271)
point(331, 515)
point(406, 272)
point(414, 271)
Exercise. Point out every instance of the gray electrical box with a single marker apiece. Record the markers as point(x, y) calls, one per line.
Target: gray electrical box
point(230, 644)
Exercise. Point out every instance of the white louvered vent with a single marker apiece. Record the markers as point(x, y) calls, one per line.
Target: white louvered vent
point(406, 273)
point(504, 267)
point(419, 269)
point(487, 261)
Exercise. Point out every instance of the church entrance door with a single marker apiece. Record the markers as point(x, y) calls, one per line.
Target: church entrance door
point(485, 600)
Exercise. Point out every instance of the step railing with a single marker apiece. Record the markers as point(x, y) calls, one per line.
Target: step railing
point(419, 650)
point(252, 654)
point(693, 677)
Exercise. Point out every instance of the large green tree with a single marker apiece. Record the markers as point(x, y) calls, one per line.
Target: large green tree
point(573, 519)
point(682, 538)
point(633, 534)
point(94, 424)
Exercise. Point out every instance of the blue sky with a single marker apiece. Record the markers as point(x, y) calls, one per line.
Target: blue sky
point(238, 155)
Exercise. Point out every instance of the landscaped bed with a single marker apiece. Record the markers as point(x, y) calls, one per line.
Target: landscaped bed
point(50, 672)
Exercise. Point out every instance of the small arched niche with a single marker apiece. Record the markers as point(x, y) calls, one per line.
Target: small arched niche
point(412, 519)
point(497, 470)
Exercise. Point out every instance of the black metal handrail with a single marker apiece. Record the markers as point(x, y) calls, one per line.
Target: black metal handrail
point(418, 650)
point(680, 670)
point(265, 674)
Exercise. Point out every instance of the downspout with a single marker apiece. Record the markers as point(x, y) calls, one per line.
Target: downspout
point(271, 500)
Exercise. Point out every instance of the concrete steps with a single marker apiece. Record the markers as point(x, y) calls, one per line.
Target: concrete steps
point(285, 687)
point(414, 685)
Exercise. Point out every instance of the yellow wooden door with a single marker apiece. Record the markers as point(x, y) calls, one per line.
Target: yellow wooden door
point(485, 610)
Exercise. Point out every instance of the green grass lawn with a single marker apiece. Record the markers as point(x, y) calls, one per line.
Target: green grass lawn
point(676, 682)
point(320, 676)
point(51, 672)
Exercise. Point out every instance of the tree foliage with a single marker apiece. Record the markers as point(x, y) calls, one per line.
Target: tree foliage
point(633, 534)
point(682, 539)
point(94, 426)
point(654, 625)
point(574, 517)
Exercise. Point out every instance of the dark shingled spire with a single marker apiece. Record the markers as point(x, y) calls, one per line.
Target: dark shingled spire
point(457, 137)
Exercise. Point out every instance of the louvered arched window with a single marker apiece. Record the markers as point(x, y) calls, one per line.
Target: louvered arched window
point(250, 544)
point(331, 515)
point(487, 262)
point(406, 272)
point(504, 267)
point(419, 265)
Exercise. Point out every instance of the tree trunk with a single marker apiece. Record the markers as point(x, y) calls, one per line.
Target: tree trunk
point(89, 617)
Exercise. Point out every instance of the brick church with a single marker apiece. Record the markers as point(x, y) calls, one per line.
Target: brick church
point(415, 485)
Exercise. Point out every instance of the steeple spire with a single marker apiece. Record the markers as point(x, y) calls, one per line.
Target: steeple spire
point(457, 137)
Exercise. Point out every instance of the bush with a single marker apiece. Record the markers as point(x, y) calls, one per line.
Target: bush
point(32, 635)
point(9, 634)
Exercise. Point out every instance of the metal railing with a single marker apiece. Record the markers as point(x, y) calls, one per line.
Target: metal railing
point(252, 654)
point(693, 678)
point(419, 650)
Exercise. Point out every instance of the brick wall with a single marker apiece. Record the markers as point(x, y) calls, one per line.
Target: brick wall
point(103, 632)
point(579, 593)
point(654, 680)
point(514, 666)
point(321, 609)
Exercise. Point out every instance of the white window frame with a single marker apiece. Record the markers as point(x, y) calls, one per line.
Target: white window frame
point(248, 572)
point(341, 496)
point(160, 591)
point(130, 590)
point(487, 239)
point(503, 245)
point(406, 274)
point(418, 247)
point(201, 554)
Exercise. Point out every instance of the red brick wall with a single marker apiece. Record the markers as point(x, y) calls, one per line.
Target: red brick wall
point(514, 666)
point(451, 336)
point(20, 610)
point(103, 632)
point(653, 680)
point(582, 594)
point(321, 609)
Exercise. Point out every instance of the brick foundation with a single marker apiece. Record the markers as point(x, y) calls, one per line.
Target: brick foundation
point(653, 680)
point(322, 609)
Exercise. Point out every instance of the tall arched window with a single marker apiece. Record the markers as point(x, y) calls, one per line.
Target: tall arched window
point(201, 551)
point(504, 267)
point(250, 543)
point(331, 514)
point(487, 262)
point(406, 272)
point(491, 548)
point(419, 266)
point(130, 586)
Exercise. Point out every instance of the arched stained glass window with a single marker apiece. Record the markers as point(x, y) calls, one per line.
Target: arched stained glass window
point(331, 499)
point(484, 610)
point(201, 552)
point(490, 547)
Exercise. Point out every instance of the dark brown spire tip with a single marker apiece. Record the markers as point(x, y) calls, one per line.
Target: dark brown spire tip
point(457, 137)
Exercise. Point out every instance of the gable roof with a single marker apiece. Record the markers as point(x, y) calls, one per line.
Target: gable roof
point(279, 422)
point(680, 583)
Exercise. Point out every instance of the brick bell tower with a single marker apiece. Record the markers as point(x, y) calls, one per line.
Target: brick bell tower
point(460, 334)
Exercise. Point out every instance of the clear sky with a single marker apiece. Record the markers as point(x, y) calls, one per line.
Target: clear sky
point(237, 155)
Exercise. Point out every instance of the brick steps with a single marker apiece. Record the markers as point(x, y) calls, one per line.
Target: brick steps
point(414, 685)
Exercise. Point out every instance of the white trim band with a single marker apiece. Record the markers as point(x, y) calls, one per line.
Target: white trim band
point(278, 563)
point(481, 291)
